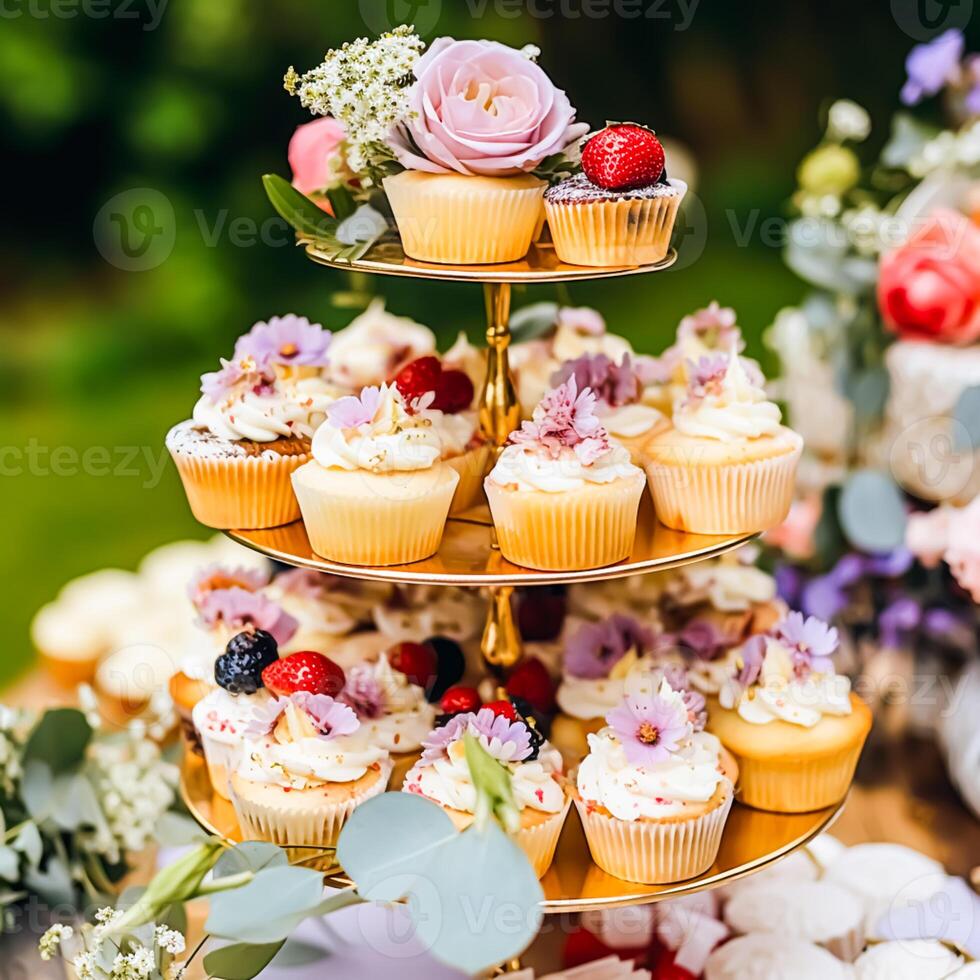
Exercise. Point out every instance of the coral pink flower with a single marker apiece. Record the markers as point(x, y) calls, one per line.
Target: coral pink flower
point(794, 537)
point(311, 149)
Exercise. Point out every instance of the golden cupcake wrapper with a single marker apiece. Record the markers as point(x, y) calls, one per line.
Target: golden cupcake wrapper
point(732, 498)
point(586, 528)
point(362, 518)
point(651, 852)
point(464, 220)
point(471, 467)
point(69, 672)
point(609, 233)
point(539, 842)
point(240, 492)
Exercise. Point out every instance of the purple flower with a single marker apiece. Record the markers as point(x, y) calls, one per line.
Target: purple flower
point(214, 577)
point(890, 564)
point(288, 340)
point(654, 370)
point(931, 66)
point(676, 676)
point(789, 583)
point(897, 619)
point(565, 418)
point(595, 648)
point(241, 372)
point(704, 639)
point(237, 609)
point(582, 320)
point(613, 384)
point(714, 326)
point(306, 582)
point(363, 692)
point(972, 100)
point(353, 411)
point(706, 376)
point(505, 740)
point(811, 642)
point(264, 717)
point(750, 660)
point(331, 718)
point(649, 727)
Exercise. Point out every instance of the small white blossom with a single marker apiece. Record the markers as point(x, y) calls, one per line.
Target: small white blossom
point(84, 966)
point(531, 51)
point(176, 971)
point(170, 940)
point(848, 121)
point(50, 942)
point(106, 914)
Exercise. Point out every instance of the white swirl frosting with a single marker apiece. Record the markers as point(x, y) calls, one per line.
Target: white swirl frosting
point(738, 410)
point(455, 430)
point(664, 789)
point(587, 698)
point(527, 468)
point(224, 717)
point(630, 421)
point(288, 408)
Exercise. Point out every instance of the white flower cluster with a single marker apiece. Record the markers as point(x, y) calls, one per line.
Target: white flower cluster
point(51, 941)
point(135, 787)
point(948, 151)
point(364, 85)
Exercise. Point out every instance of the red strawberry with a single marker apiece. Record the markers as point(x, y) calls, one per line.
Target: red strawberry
point(454, 393)
point(622, 157)
point(460, 698)
point(418, 377)
point(504, 708)
point(540, 616)
point(531, 681)
point(417, 660)
point(304, 671)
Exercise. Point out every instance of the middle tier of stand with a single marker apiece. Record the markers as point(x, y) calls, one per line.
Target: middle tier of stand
point(467, 555)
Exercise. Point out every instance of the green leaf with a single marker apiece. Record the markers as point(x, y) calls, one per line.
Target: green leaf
point(37, 788)
point(59, 739)
point(297, 953)
point(52, 885)
point(241, 961)
point(176, 830)
point(298, 210)
point(491, 780)
point(252, 856)
point(342, 202)
point(966, 435)
point(29, 843)
point(872, 511)
point(868, 390)
point(532, 321)
point(384, 864)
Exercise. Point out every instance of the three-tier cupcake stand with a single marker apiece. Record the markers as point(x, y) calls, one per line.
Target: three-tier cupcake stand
point(468, 557)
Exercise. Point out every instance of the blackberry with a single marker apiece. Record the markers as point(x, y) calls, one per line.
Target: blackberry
point(239, 669)
point(529, 718)
point(450, 665)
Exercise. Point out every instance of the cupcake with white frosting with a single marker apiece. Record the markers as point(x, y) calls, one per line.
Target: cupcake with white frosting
point(253, 424)
point(765, 956)
point(725, 465)
point(790, 720)
point(413, 611)
point(563, 495)
point(908, 959)
point(376, 491)
point(535, 767)
point(655, 790)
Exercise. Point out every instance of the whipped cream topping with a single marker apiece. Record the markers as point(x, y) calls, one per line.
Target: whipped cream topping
point(731, 409)
point(320, 620)
point(224, 717)
point(587, 698)
point(524, 467)
point(729, 586)
point(428, 610)
point(447, 781)
point(630, 421)
point(455, 430)
point(390, 440)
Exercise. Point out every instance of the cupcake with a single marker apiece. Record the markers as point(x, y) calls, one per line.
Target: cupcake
point(563, 496)
point(252, 426)
point(790, 720)
point(765, 956)
point(640, 596)
point(725, 465)
point(411, 611)
point(655, 790)
point(376, 491)
point(306, 765)
point(908, 959)
point(618, 389)
point(326, 608)
point(817, 911)
point(443, 776)
point(621, 210)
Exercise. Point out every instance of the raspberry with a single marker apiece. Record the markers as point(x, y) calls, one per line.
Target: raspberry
point(454, 392)
point(623, 157)
point(531, 681)
point(418, 661)
point(418, 377)
point(504, 708)
point(240, 669)
point(304, 671)
point(459, 699)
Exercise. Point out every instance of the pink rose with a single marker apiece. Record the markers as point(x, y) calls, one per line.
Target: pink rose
point(482, 108)
point(311, 149)
point(929, 288)
point(927, 535)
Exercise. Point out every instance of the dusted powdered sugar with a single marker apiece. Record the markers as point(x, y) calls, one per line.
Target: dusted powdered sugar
point(580, 190)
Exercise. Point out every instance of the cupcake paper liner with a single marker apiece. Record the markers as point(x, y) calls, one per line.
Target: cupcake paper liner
point(471, 467)
point(222, 760)
point(734, 498)
point(241, 491)
point(651, 852)
point(579, 529)
point(613, 233)
point(539, 842)
point(363, 518)
point(454, 219)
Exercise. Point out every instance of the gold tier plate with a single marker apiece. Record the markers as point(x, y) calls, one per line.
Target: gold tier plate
point(753, 840)
point(540, 265)
point(467, 557)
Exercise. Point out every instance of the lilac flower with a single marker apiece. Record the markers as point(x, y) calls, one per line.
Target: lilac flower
point(264, 717)
point(505, 740)
point(353, 411)
point(649, 727)
point(811, 642)
point(287, 340)
point(613, 384)
point(789, 584)
point(654, 370)
point(306, 582)
point(237, 609)
point(715, 326)
point(972, 100)
point(565, 419)
point(363, 692)
point(595, 648)
point(676, 676)
point(705, 640)
point(706, 376)
point(931, 66)
point(241, 372)
point(890, 564)
point(897, 619)
point(214, 577)
point(750, 660)
point(331, 718)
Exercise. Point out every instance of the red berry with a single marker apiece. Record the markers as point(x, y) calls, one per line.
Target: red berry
point(531, 681)
point(416, 660)
point(418, 377)
point(460, 698)
point(454, 393)
point(623, 157)
point(304, 671)
point(540, 616)
point(504, 708)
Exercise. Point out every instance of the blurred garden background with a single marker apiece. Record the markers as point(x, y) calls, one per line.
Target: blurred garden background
point(168, 113)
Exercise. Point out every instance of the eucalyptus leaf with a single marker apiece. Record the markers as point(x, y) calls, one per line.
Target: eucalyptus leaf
point(872, 511)
point(868, 390)
point(52, 885)
point(253, 856)
point(76, 804)
point(59, 739)
point(176, 830)
point(299, 211)
point(37, 789)
point(534, 320)
point(362, 228)
point(297, 953)
point(966, 435)
point(240, 961)
point(9, 864)
point(29, 843)
point(382, 863)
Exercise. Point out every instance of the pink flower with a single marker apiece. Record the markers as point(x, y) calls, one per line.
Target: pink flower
point(565, 419)
point(240, 372)
point(706, 376)
point(330, 718)
point(927, 535)
point(611, 383)
point(583, 320)
point(237, 608)
point(929, 288)
point(505, 740)
point(353, 411)
point(311, 149)
point(811, 641)
point(363, 692)
point(213, 577)
point(287, 340)
point(794, 537)
point(595, 648)
point(963, 552)
point(715, 326)
point(650, 728)
point(482, 108)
